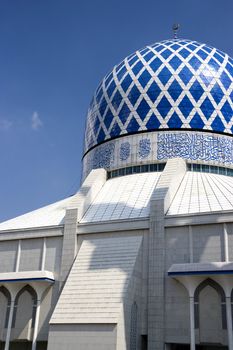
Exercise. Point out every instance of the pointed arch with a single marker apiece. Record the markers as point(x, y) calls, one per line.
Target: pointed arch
point(7, 295)
point(219, 290)
point(33, 294)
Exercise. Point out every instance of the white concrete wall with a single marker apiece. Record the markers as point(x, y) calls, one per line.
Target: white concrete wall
point(69, 337)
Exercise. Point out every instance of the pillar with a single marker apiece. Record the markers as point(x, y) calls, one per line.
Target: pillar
point(8, 334)
point(192, 323)
point(229, 323)
point(36, 325)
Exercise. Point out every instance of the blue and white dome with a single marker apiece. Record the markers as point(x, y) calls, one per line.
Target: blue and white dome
point(170, 99)
point(173, 84)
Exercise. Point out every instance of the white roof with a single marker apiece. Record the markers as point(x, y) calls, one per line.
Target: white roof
point(203, 192)
point(123, 198)
point(49, 215)
point(120, 198)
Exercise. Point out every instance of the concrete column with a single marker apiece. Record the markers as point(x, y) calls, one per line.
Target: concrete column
point(18, 256)
point(190, 244)
point(42, 265)
point(229, 323)
point(8, 334)
point(192, 323)
point(226, 250)
point(69, 247)
point(36, 325)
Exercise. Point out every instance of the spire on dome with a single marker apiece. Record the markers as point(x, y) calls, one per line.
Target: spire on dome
point(175, 29)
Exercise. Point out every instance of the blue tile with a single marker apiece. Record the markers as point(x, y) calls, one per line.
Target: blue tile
point(175, 62)
point(111, 88)
point(143, 109)
point(217, 93)
point(218, 57)
point(217, 124)
point(103, 106)
point(153, 123)
point(132, 60)
point(164, 75)
point(185, 106)
point(148, 56)
point(196, 90)
point(108, 79)
point(144, 78)
point(229, 68)
point(208, 49)
point(108, 118)
point(230, 60)
point(184, 53)
point(133, 126)
point(175, 90)
point(191, 47)
point(153, 91)
point(138, 66)
point(207, 108)
point(124, 113)
point(96, 125)
point(194, 62)
point(155, 64)
point(231, 96)
point(126, 82)
point(158, 48)
point(183, 42)
point(226, 81)
point(133, 95)
point(174, 122)
point(202, 54)
point(166, 53)
point(185, 75)
point(227, 111)
point(213, 64)
point(117, 98)
point(206, 76)
point(164, 107)
point(119, 66)
point(175, 46)
point(101, 136)
point(115, 131)
point(121, 73)
point(144, 51)
point(99, 95)
point(196, 122)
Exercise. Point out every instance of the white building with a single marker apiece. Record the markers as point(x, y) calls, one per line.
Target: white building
point(141, 257)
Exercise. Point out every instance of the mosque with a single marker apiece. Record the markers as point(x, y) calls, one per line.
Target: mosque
point(141, 257)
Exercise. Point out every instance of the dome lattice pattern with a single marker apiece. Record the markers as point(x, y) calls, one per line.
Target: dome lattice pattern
point(174, 84)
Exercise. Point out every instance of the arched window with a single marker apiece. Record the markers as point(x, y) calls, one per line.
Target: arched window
point(220, 291)
point(133, 326)
point(27, 289)
point(5, 315)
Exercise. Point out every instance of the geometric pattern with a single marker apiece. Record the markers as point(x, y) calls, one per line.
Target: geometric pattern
point(174, 84)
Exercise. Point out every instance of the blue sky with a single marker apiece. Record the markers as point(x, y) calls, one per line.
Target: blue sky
point(53, 55)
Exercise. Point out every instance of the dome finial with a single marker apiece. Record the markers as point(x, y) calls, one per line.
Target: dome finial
point(175, 28)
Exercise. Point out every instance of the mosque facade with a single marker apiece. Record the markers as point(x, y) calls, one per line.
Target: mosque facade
point(141, 257)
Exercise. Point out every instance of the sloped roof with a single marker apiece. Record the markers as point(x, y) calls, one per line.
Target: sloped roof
point(123, 198)
point(49, 215)
point(203, 192)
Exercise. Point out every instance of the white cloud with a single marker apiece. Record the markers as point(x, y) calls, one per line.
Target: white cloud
point(36, 122)
point(5, 124)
